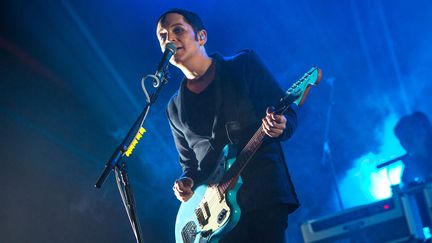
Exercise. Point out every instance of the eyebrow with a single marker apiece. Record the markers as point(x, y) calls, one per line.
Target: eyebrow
point(176, 24)
point(173, 25)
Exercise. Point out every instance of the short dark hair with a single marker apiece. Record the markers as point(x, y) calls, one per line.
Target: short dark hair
point(190, 17)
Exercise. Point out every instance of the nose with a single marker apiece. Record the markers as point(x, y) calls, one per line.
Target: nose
point(171, 37)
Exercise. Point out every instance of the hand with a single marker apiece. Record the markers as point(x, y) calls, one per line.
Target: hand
point(183, 188)
point(273, 125)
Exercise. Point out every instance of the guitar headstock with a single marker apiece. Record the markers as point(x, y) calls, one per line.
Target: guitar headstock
point(298, 92)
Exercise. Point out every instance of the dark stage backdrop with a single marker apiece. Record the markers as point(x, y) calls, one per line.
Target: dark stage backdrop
point(70, 89)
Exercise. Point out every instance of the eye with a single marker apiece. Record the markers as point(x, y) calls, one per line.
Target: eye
point(178, 30)
point(162, 36)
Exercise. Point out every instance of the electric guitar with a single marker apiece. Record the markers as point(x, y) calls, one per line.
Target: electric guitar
point(213, 211)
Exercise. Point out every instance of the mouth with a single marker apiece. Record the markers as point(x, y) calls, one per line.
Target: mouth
point(178, 51)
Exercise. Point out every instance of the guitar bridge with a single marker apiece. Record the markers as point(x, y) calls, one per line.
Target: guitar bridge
point(189, 232)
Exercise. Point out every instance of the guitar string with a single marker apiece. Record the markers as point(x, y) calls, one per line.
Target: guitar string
point(214, 197)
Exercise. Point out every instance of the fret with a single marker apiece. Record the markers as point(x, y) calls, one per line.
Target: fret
point(242, 160)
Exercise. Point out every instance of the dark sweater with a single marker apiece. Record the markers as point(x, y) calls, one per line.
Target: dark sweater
point(240, 93)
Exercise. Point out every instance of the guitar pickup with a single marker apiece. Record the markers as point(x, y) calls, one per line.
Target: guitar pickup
point(203, 214)
point(222, 216)
point(207, 210)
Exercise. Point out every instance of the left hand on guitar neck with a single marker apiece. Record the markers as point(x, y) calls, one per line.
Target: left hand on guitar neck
point(273, 124)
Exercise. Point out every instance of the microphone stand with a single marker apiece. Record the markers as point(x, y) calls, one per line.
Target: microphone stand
point(126, 147)
point(327, 155)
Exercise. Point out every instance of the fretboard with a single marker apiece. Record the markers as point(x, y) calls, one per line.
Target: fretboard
point(242, 160)
point(295, 94)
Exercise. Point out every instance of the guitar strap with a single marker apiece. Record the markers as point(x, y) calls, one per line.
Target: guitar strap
point(228, 81)
point(228, 101)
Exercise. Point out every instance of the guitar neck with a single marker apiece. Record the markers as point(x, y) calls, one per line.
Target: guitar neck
point(248, 151)
point(242, 160)
point(295, 94)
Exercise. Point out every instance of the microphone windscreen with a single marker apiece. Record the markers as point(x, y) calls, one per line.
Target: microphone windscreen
point(172, 47)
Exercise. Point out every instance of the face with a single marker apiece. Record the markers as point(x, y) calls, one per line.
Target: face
point(176, 30)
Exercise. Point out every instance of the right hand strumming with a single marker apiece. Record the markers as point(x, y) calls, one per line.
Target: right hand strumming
point(183, 188)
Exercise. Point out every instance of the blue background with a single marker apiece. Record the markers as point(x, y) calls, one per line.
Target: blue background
point(70, 89)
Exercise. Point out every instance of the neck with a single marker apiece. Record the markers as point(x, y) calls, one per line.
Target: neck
point(196, 67)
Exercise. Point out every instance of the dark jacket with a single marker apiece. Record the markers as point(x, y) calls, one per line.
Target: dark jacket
point(243, 89)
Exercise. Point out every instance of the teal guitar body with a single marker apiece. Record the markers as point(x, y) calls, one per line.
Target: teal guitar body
point(208, 214)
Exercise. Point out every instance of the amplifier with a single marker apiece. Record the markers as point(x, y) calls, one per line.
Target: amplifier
point(419, 195)
point(382, 221)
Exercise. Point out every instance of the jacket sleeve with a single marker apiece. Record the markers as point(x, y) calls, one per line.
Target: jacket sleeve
point(266, 91)
point(187, 156)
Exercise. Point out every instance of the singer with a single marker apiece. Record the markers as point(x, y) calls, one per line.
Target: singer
point(224, 100)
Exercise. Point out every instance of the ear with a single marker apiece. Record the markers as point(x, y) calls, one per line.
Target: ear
point(202, 37)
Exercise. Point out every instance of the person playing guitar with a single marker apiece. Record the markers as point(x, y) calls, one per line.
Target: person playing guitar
point(223, 100)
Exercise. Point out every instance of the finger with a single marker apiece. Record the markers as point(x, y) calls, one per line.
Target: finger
point(280, 122)
point(187, 182)
point(178, 186)
point(269, 110)
point(186, 190)
point(274, 134)
point(186, 193)
point(179, 195)
point(188, 197)
point(180, 183)
point(176, 189)
point(277, 118)
point(270, 134)
point(279, 126)
point(183, 197)
point(276, 131)
point(268, 131)
point(266, 126)
point(269, 120)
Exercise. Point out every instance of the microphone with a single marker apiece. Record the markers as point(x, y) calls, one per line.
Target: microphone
point(170, 50)
point(402, 157)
